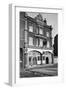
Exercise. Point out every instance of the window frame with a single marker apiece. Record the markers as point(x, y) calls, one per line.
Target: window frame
point(40, 29)
point(31, 25)
point(31, 40)
point(47, 34)
point(40, 41)
point(48, 44)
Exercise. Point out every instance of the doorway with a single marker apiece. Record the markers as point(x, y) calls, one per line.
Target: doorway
point(47, 60)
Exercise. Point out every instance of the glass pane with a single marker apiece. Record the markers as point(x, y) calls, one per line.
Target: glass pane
point(41, 31)
point(48, 45)
point(36, 42)
point(41, 43)
point(30, 41)
point(31, 28)
point(37, 31)
point(47, 33)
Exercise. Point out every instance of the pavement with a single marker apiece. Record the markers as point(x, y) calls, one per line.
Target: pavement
point(41, 71)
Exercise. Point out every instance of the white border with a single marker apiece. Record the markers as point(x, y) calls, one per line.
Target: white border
point(15, 47)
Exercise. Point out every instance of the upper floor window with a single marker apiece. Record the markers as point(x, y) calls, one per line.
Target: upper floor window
point(47, 34)
point(30, 41)
point(48, 44)
point(40, 31)
point(36, 41)
point(41, 43)
point(31, 28)
point(37, 31)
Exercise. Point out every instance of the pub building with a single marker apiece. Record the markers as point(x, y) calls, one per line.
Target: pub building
point(35, 41)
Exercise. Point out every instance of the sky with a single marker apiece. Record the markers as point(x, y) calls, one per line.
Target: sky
point(52, 19)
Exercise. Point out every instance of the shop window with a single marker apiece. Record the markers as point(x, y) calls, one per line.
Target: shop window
point(38, 57)
point(34, 61)
point(43, 57)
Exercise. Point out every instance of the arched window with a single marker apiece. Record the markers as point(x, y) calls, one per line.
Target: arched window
point(34, 58)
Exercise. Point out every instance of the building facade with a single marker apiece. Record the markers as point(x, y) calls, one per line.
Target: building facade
point(35, 41)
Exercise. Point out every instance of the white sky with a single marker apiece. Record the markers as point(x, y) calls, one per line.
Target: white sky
point(52, 19)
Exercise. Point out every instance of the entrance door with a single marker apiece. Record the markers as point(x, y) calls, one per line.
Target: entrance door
point(47, 60)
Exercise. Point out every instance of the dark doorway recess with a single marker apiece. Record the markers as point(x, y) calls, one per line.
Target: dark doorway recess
point(47, 60)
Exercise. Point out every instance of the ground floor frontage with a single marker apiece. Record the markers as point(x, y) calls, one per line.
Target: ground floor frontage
point(37, 57)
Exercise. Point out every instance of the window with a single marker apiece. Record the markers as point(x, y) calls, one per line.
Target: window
point(40, 31)
point(30, 41)
point(47, 34)
point(48, 44)
point(36, 41)
point(44, 42)
point(41, 43)
point(30, 28)
point(37, 30)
